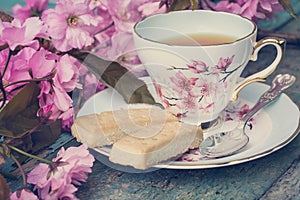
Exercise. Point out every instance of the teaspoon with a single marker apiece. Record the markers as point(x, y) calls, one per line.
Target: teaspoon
point(231, 137)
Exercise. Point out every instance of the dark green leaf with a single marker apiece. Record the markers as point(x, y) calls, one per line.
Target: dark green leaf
point(18, 117)
point(4, 189)
point(183, 4)
point(286, 4)
point(116, 76)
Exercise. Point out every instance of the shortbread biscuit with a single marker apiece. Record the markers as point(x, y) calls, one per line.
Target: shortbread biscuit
point(172, 140)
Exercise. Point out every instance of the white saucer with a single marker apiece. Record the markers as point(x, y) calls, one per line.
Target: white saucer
point(273, 127)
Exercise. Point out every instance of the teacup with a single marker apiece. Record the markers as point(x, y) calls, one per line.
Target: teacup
point(195, 59)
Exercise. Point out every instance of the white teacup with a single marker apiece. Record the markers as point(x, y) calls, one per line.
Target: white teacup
point(194, 80)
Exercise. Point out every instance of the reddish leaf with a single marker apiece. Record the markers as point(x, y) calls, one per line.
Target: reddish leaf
point(18, 117)
point(116, 76)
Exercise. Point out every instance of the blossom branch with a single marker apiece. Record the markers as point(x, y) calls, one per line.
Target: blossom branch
point(3, 92)
point(105, 28)
point(30, 155)
point(21, 170)
point(46, 78)
point(228, 73)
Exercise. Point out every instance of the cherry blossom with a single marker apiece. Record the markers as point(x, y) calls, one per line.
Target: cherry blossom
point(224, 63)
point(67, 74)
point(70, 169)
point(117, 41)
point(18, 68)
point(251, 9)
point(40, 63)
point(197, 66)
point(23, 194)
point(31, 28)
point(2, 42)
point(134, 11)
point(71, 24)
point(31, 9)
point(181, 83)
point(188, 103)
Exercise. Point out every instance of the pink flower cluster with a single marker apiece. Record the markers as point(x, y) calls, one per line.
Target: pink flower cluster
point(71, 167)
point(116, 42)
point(58, 75)
point(251, 9)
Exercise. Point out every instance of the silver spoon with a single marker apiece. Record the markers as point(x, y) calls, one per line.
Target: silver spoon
point(231, 137)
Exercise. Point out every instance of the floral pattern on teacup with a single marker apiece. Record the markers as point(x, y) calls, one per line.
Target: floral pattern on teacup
point(195, 87)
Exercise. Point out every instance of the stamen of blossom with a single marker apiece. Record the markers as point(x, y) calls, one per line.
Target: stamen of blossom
point(72, 21)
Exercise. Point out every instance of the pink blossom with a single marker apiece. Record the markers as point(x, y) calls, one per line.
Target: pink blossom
point(224, 63)
point(95, 4)
point(116, 42)
point(267, 8)
point(2, 42)
point(158, 89)
point(18, 68)
point(26, 32)
point(67, 74)
point(71, 24)
point(106, 28)
point(32, 8)
point(205, 89)
point(48, 106)
point(228, 117)
point(78, 165)
point(90, 83)
point(151, 8)
point(123, 51)
point(243, 110)
point(228, 7)
point(126, 13)
point(198, 66)
point(61, 99)
point(23, 194)
point(251, 9)
point(40, 64)
point(51, 184)
point(39, 175)
point(67, 118)
point(188, 103)
point(208, 107)
point(71, 168)
point(181, 83)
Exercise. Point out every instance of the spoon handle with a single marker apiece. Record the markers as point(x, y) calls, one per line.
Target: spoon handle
point(279, 83)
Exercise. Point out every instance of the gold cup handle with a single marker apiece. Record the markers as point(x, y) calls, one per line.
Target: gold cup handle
point(260, 76)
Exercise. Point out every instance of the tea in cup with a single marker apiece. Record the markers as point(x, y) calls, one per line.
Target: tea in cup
point(195, 59)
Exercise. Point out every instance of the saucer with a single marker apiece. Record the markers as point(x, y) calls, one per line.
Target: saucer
point(271, 129)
